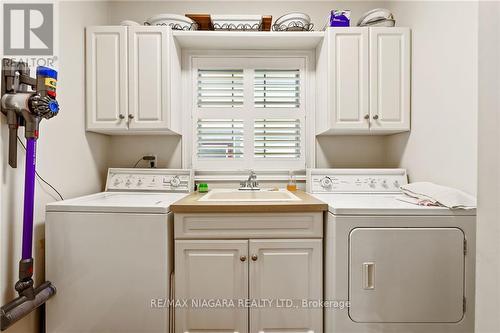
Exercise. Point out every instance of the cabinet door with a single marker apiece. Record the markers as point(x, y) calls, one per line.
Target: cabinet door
point(148, 77)
point(390, 79)
point(406, 275)
point(348, 79)
point(211, 270)
point(287, 270)
point(106, 74)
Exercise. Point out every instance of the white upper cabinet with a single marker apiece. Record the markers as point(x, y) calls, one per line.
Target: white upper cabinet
point(363, 81)
point(106, 71)
point(148, 77)
point(390, 79)
point(347, 79)
point(129, 74)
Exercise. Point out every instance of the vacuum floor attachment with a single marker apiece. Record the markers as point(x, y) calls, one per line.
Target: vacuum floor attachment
point(21, 306)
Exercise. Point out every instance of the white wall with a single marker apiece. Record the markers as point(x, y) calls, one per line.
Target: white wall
point(70, 159)
point(125, 151)
point(442, 145)
point(488, 224)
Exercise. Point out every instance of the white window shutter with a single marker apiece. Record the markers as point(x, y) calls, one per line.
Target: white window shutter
point(277, 88)
point(277, 138)
point(220, 88)
point(220, 138)
point(249, 113)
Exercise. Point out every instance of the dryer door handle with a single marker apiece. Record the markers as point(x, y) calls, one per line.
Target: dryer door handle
point(368, 275)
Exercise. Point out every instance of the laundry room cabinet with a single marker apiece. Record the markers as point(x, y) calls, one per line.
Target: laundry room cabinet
point(363, 81)
point(129, 73)
point(266, 277)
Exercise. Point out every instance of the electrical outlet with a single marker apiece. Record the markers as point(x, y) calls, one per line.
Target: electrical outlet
point(152, 160)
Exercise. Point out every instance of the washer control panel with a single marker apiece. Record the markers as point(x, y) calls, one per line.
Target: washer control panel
point(355, 180)
point(154, 180)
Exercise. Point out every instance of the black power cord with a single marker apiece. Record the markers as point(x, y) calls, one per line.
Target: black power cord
point(150, 158)
point(137, 163)
point(40, 177)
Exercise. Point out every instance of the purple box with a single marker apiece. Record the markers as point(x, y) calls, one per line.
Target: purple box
point(340, 18)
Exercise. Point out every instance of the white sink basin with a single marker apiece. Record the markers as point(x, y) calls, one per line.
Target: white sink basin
point(237, 195)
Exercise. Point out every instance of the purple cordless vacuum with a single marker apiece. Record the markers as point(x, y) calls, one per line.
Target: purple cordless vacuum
point(26, 101)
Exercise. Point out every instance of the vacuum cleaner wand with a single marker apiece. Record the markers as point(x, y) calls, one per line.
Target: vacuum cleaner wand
point(26, 108)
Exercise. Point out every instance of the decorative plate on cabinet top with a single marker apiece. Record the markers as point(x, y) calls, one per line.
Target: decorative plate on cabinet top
point(176, 22)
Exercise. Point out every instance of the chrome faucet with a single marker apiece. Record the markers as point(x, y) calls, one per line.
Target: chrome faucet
point(251, 184)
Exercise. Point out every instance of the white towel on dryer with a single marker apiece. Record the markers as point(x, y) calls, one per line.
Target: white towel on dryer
point(427, 194)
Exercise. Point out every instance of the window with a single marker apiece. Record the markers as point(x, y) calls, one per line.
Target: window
point(248, 113)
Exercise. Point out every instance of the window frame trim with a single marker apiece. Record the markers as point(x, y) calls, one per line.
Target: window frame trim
point(308, 139)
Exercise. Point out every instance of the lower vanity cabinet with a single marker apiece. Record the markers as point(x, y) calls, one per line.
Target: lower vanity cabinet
point(248, 285)
point(289, 270)
point(210, 270)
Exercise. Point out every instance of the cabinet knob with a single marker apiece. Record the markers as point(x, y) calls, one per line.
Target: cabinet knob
point(254, 257)
point(121, 116)
point(367, 116)
point(375, 117)
point(243, 258)
point(131, 116)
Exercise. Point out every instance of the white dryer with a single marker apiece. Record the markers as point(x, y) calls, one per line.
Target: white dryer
point(400, 267)
point(110, 254)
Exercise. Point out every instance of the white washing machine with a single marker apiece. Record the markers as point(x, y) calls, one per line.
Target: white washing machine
point(400, 267)
point(110, 254)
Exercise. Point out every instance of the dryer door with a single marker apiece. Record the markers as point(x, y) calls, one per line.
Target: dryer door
point(406, 275)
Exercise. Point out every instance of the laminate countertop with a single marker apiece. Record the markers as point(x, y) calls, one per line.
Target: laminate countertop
point(190, 204)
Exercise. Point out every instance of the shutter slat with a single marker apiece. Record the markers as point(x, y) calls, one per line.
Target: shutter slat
point(277, 88)
point(277, 138)
point(220, 138)
point(220, 88)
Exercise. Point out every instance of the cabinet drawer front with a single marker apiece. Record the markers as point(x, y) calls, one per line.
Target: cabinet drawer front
point(273, 225)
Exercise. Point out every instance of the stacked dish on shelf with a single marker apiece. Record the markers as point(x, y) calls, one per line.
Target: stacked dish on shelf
point(176, 22)
point(237, 22)
point(293, 22)
point(378, 17)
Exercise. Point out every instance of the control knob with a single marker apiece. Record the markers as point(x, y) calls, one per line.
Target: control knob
point(175, 181)
point(325, 182)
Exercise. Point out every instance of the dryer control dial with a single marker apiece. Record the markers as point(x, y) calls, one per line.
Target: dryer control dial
point(326, 182)
point(175, 181)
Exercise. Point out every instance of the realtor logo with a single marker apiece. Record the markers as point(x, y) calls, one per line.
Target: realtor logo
point(28, 29)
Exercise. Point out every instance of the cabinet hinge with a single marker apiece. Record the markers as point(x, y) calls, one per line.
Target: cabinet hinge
point(464, 304)
point(465, 247)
